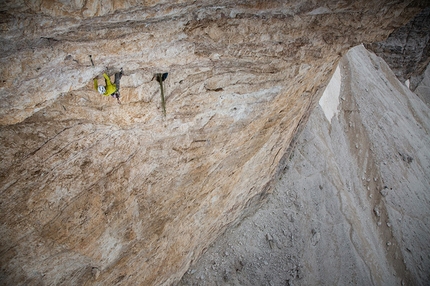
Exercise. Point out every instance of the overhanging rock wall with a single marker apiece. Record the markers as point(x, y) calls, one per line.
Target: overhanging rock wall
point(96, 192)
point(353, 202)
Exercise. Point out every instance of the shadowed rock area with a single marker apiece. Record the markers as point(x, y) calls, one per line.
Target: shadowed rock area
point(407, 49)
point(97, 193)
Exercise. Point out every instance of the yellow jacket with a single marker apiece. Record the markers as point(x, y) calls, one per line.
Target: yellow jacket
point(110, 87)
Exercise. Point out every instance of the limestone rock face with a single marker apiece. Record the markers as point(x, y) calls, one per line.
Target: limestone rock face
point(353, 203)
point(423, 88)
point(407, 49)
point(93, 192)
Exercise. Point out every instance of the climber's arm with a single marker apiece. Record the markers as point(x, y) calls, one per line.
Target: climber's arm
point(96, 85)
point(107, 78)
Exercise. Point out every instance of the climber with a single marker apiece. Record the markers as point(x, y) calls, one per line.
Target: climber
point(110, 89)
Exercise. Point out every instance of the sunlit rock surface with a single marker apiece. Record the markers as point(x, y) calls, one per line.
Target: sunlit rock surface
point(353, 203)
point(100, 193)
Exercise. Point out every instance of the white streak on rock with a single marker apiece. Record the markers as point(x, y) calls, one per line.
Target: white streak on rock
point(329, 101)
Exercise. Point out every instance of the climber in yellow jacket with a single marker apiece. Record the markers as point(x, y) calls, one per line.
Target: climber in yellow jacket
point(111, 89)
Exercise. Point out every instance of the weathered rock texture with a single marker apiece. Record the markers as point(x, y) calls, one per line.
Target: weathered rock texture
point(98, 193)
point(352, 207)
point(423, 88)
point(407, 49)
